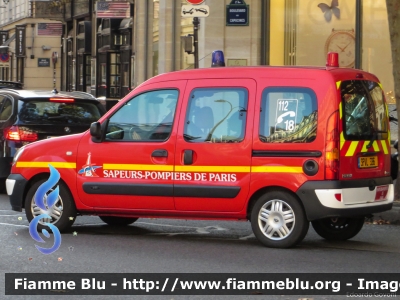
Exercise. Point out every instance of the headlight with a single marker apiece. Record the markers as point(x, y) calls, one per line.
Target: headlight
point(18, 154)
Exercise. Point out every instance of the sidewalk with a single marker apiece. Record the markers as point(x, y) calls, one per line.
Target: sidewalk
point(388, 217)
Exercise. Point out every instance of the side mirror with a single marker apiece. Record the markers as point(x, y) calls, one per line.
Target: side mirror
point(95, 132)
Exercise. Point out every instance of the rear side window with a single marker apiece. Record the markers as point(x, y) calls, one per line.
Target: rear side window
point(46, 112)
point(216, 115)
point(364, 110)
point(6, 109)
point(288, 115)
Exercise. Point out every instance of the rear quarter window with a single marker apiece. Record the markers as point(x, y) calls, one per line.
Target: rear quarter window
point(288, 115)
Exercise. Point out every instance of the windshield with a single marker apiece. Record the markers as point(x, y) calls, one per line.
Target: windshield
point(364, 111)
point(46, 112)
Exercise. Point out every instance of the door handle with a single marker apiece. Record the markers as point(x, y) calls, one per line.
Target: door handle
point(188, 157)
point(159, 153)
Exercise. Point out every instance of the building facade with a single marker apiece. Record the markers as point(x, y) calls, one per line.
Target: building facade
point(109, 47)
point(30, 43)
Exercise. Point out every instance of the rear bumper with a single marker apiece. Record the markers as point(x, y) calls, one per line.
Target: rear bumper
point(358, 198)
point(15, 185)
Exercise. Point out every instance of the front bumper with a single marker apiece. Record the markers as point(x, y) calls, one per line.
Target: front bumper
point(358, 198)
point(15, 185)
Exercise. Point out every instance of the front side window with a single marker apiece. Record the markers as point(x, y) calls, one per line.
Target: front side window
point(216, 115)
point(146, 117)
point(288, 115)
point(364, 110)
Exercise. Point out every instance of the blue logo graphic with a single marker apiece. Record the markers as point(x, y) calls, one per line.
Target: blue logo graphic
point(51, 200)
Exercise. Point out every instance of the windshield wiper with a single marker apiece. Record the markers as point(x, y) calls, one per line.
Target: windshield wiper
point(374, 137)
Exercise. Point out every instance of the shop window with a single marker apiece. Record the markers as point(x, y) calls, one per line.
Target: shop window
point(376, 44)
point(20, 69)
point(300, 31)
point(115, 82)
point(155, 48)
point(87, 72)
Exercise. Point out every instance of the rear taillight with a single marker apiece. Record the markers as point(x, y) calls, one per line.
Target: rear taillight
point(18, 134)
point(332, 148)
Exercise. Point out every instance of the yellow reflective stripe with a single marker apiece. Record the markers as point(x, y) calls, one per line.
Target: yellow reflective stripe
point(380, 85)
point(276, 169)
point(45, 164)
point(170, 168)
point(352, 148)
point(364, 148)
point(340, 110)
point(375, 145)
point(138, 167)
point(342, 140)
point(385, 150)
point(338, 84)
point(235, 169)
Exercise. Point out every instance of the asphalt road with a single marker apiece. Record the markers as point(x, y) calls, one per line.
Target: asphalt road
point(180, 246)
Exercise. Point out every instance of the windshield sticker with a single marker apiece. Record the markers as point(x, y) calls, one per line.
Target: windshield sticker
point(89, 169)
point(286, 112)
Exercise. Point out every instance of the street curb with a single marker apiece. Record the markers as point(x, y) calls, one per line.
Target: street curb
point(388, 217)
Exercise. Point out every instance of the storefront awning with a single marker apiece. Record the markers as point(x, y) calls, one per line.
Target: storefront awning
point(8, 42)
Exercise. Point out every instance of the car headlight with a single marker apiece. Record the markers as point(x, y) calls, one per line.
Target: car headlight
point(18, 154)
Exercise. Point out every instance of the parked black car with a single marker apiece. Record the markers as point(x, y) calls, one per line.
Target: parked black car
point(15, 85)
point(27, 116)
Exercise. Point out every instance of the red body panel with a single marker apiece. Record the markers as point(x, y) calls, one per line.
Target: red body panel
point(236, 155)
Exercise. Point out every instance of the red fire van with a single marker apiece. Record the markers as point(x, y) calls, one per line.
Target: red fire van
point(278, 146)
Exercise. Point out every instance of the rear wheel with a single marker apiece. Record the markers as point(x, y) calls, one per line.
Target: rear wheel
point(338, 229)
point(62, 214)
point(117, 221)
point(278, 220)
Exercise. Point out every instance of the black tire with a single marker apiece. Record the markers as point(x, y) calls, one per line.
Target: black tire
point(338, 229)
point(117, 221)
point(3, 189)
point(67, 214)
point(281, 206)
point(394, 166)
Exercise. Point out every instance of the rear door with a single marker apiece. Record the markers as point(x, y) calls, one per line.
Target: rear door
point(133, 167)
point(365, 144)
point(213, 149)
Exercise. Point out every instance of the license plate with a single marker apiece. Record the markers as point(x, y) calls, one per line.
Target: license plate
point(381, 192)
point(368, 162)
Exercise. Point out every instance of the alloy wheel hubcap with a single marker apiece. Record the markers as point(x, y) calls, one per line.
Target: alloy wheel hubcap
point(55, 212)
point(276, 219)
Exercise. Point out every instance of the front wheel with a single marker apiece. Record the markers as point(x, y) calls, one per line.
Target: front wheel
point(117, 221)
point(62, 214)
point(278, 220)
point(338, 229)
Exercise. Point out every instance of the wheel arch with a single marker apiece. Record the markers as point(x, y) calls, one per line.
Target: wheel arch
point(256, 195)
point(36, 178)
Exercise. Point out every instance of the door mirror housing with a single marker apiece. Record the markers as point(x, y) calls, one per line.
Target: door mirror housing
point(95, 132)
